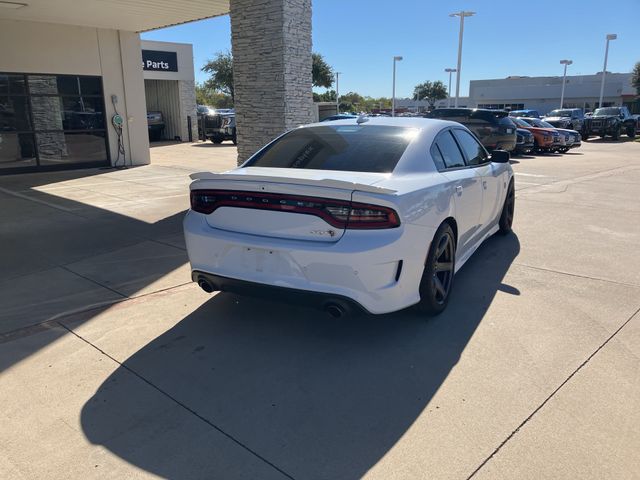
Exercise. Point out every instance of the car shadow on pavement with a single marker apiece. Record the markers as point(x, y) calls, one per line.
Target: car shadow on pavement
point(315, 396)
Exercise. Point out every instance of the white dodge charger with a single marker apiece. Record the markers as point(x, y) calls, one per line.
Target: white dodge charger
point(375, 214)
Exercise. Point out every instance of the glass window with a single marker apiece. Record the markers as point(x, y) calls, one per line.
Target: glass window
point(17, 85)
point(47, 112)
point(355, 148)
point(82, 113)
point(437, 157)
point(17, 150)
point(451, 154)
point(50, 120)
point(475, 153)
point(12, 84)
point(14, 114)
point(57, 148)
point(43, 84)
point(68, 85)
point(90, 86)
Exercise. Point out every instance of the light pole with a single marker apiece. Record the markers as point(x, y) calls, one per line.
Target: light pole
point(393, 97)
point(460, 14)
point(566, 63)
point(337, 93)
point(449, 71)
point(611, 36)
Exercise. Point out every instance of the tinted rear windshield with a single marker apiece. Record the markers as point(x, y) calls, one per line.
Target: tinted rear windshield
point(353, 148)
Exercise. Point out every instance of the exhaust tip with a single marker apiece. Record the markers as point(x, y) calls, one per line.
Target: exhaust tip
point(205, 285)
point(336, 310)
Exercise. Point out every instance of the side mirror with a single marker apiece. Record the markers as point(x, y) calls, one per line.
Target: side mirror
point(500, 156)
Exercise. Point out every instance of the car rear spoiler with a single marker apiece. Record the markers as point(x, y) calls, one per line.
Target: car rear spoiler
point(324, 182)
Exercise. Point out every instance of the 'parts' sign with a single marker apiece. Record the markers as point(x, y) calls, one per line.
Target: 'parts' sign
point(159, 61)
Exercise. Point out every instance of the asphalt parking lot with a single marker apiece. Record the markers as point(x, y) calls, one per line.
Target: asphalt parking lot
point(114, 365)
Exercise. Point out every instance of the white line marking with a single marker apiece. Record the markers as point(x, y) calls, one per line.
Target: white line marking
point(530, 175)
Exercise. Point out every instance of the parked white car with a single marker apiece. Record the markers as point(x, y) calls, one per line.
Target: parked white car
point(370, 213)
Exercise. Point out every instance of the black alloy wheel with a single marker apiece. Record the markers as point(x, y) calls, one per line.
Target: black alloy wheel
point(437, 278)
point(508, 210)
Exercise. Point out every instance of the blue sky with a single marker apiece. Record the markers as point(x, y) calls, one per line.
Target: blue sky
point(360, 37)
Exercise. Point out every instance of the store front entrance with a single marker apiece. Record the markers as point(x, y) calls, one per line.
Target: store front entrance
point(51, 122)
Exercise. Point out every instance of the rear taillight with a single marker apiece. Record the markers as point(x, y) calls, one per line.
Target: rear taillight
point(338, 213)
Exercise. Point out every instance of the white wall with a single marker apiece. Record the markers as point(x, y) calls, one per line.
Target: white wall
point(33, 47)
point(184, 83)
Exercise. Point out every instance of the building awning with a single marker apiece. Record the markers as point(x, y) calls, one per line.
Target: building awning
point(131, 15)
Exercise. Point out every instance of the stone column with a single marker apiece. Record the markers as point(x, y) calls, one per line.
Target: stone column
point(271, 44)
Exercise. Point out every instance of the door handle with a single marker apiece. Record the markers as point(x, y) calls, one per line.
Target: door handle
point(459, 190)
point(484, 184)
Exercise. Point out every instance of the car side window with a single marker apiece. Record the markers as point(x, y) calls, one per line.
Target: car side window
point(475, 153)
point(451, 154)
point(437, 157)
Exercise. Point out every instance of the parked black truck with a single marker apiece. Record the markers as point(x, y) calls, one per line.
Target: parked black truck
point(216, 125)
point(610, 121)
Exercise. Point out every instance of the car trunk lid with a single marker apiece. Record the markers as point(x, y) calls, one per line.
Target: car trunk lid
point(290, 204)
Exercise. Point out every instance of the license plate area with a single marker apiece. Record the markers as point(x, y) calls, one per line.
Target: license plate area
point(255, 259)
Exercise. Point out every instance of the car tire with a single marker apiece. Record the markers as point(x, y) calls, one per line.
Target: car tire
point(217, 141)
point(234, 140)
point(437, 277)
point(508, 209)
point(616, 133)
point(631, 132)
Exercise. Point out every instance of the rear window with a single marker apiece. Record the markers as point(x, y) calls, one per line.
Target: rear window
point(353, 148)
point(560, 113)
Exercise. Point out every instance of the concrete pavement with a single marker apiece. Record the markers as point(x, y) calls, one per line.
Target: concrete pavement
point(119, 367)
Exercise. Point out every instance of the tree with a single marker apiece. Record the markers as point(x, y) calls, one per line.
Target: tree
point(352, 102)
point(221, 71)
point(328, 96)
point(430, 91)
point(635, 77)
point(321, 72)
point(212, 98)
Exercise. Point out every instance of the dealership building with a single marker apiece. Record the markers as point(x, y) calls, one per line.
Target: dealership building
point(543, 93)
point(74, 90)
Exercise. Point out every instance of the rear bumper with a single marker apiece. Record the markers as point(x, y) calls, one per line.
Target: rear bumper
point(378, 270)
point(524, 147)
point(226, 132)
point(282, 294)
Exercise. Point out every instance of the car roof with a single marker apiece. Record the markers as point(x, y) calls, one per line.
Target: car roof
point(425, 124)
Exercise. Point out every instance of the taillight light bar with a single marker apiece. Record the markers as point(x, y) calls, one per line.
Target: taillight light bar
point(337, 213)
